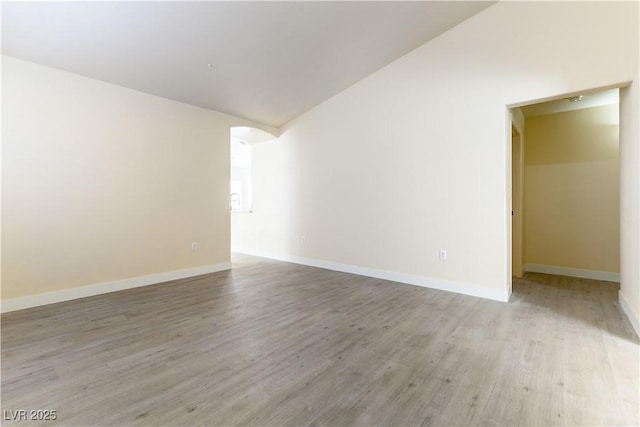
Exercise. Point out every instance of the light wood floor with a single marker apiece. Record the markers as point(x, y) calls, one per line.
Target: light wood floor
point(272, 343)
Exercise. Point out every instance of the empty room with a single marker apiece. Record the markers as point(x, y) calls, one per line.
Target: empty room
point(320, 213)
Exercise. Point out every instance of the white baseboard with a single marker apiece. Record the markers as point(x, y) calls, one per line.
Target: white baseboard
point(573, 272)
point(426, 282)
point(103, 288)
point(635, 322)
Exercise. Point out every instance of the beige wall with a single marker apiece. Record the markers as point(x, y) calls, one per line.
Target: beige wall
point(572, 190)
point(630, 190)
point(517, 191)
point(102, 183)
point(415, 157)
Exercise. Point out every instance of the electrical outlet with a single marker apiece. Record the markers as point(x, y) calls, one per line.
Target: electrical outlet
point(194, 246)
point(442, 254)
point(303, 239)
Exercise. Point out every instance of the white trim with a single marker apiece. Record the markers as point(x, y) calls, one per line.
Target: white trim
point(426, 282)
point(573, 272)
point(106, 287)
point(627, 310)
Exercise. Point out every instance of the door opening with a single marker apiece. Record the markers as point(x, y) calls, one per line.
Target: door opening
point(565, 186)
point(242, 191)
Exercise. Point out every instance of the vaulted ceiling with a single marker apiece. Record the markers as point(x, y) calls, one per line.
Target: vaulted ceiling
point(264, 61)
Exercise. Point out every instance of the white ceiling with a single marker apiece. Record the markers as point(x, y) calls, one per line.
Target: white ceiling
point(272, 61)
point(589, 100)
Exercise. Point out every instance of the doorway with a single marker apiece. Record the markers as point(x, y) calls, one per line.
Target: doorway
point(242, 191)
point(565, 186)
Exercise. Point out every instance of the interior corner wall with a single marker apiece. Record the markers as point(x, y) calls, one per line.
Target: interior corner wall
point(102, 184)
point(572, 192)
point(414, 158)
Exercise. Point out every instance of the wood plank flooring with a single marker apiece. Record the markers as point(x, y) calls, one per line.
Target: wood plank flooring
point(277, 344)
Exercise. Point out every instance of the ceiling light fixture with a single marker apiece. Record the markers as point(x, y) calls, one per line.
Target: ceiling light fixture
point(575, 98)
